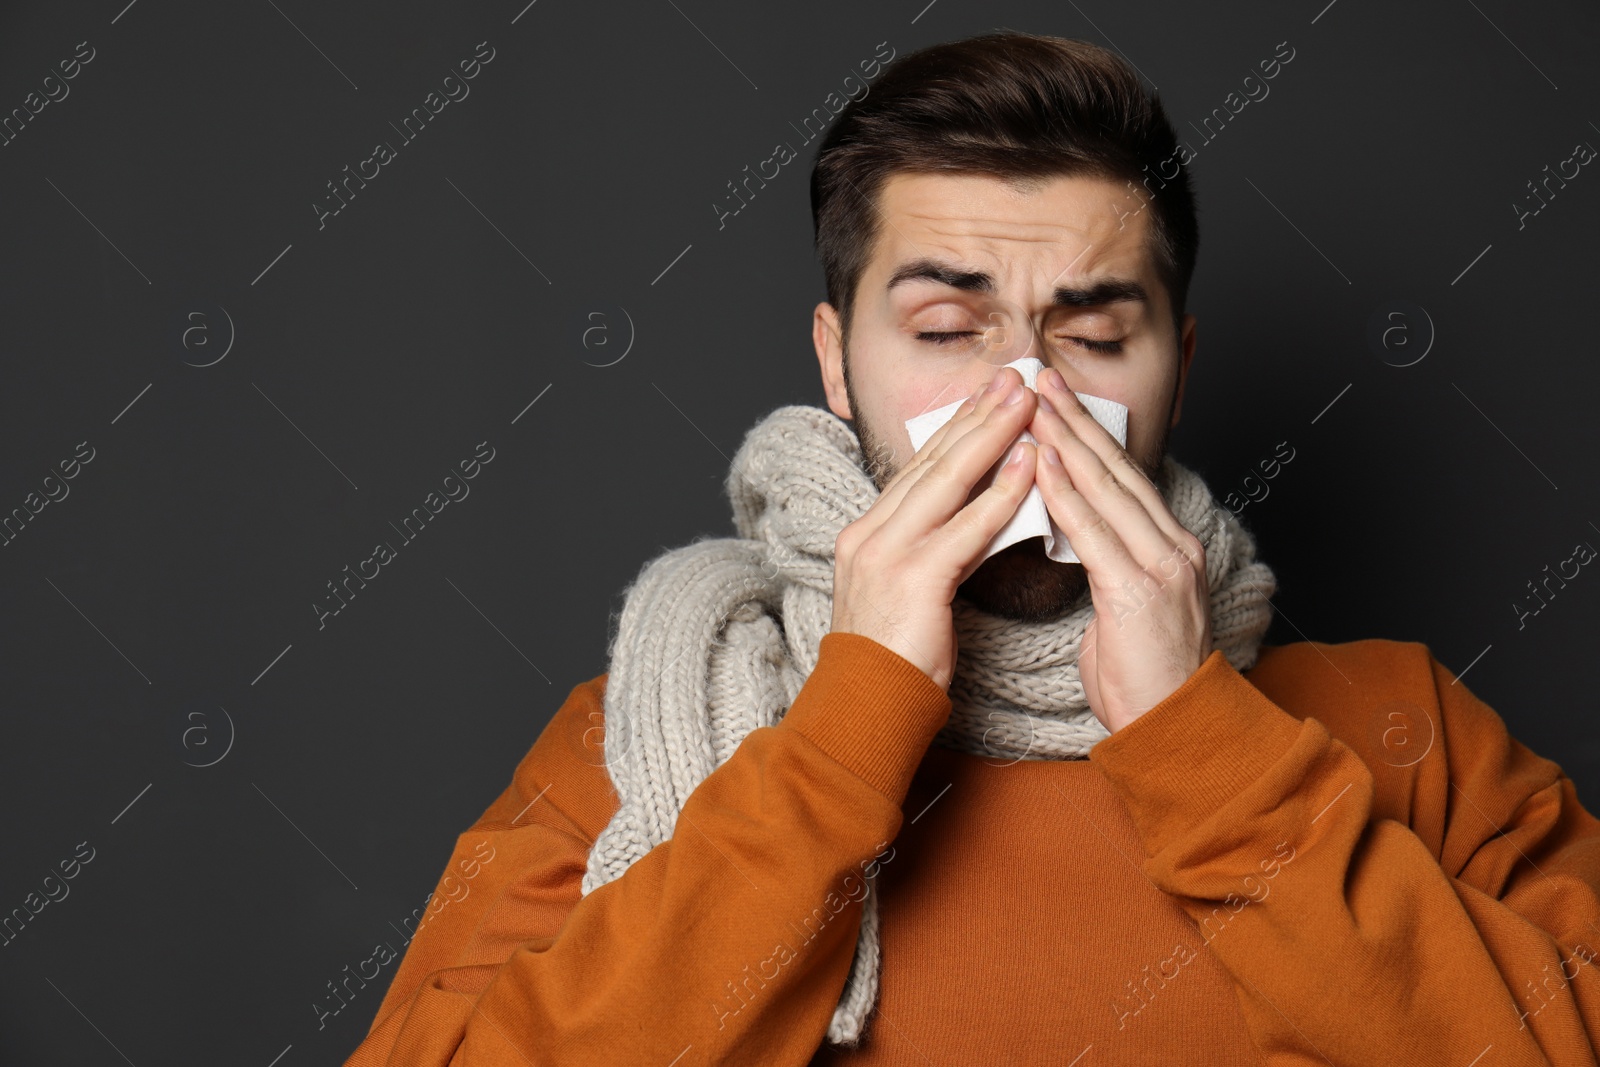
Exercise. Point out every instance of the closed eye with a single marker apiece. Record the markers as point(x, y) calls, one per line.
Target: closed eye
point(947, 338)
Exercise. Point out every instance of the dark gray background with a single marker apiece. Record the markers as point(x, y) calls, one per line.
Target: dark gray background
point(178, 576)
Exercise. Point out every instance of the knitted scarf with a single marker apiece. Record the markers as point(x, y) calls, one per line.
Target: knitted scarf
point(717, 637)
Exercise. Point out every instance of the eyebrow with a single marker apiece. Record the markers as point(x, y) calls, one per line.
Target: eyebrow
point(1106, 291)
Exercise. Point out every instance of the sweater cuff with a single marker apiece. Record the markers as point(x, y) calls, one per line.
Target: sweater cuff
point(870, 709)
point(1181, 761)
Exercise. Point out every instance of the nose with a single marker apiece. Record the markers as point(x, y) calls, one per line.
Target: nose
point(1011, 337)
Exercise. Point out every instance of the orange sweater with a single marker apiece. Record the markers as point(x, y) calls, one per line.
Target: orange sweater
point(1343, 858)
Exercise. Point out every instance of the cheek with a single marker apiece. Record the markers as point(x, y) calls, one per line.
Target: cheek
point(910, 407)
point(916, 400)
point(920, 397)
point(907, 388)
point(1148, 416)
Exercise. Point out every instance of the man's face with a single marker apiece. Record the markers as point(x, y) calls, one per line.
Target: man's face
point(1077, 234)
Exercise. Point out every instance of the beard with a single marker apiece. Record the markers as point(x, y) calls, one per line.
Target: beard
point(1018, 582)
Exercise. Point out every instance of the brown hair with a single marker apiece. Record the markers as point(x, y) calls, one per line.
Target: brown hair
point(1017, 106)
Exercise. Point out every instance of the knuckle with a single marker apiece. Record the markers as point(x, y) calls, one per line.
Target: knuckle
point(868, 555)
point(937, 476)
point(960, 527)
point(848, 541)
point(974, 513)
point(917, 461)
point(999, 413)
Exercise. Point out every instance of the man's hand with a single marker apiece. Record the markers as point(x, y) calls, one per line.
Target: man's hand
point(896, 569)
point(1147, 574)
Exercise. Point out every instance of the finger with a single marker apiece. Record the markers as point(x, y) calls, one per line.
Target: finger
point(895, 489)
point(1103, 472)
point(1077, 418)
point(970, 415)
point(1085, 477)
point(934, 445)
point(1102, 548)
point(961, 540)
point(946, 485)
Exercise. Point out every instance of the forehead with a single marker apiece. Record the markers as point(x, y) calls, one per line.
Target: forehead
point(1086, 223)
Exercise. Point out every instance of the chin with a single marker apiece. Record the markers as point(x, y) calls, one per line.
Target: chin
point(1020, 582)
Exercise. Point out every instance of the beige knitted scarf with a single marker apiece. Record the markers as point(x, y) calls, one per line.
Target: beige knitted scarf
point(717, 637)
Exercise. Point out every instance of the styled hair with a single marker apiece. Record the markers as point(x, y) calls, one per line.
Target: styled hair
point(1020, 107)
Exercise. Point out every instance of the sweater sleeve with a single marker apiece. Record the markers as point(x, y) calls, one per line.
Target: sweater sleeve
point(1386, 909)
point(729, 942)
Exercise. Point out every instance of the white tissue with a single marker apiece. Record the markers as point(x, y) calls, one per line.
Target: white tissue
point(1032, 517)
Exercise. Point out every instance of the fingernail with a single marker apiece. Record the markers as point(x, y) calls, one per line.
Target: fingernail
point(1044, 403)
point(996, 383)
point(1012, 397)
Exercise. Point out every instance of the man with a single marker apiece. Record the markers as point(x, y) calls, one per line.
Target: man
point(777, 830)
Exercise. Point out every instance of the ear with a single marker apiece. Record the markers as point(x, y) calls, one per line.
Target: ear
point(1188, 340)
point(825, 335)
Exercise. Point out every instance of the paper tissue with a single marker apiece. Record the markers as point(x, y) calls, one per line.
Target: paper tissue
point(1032, 517)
